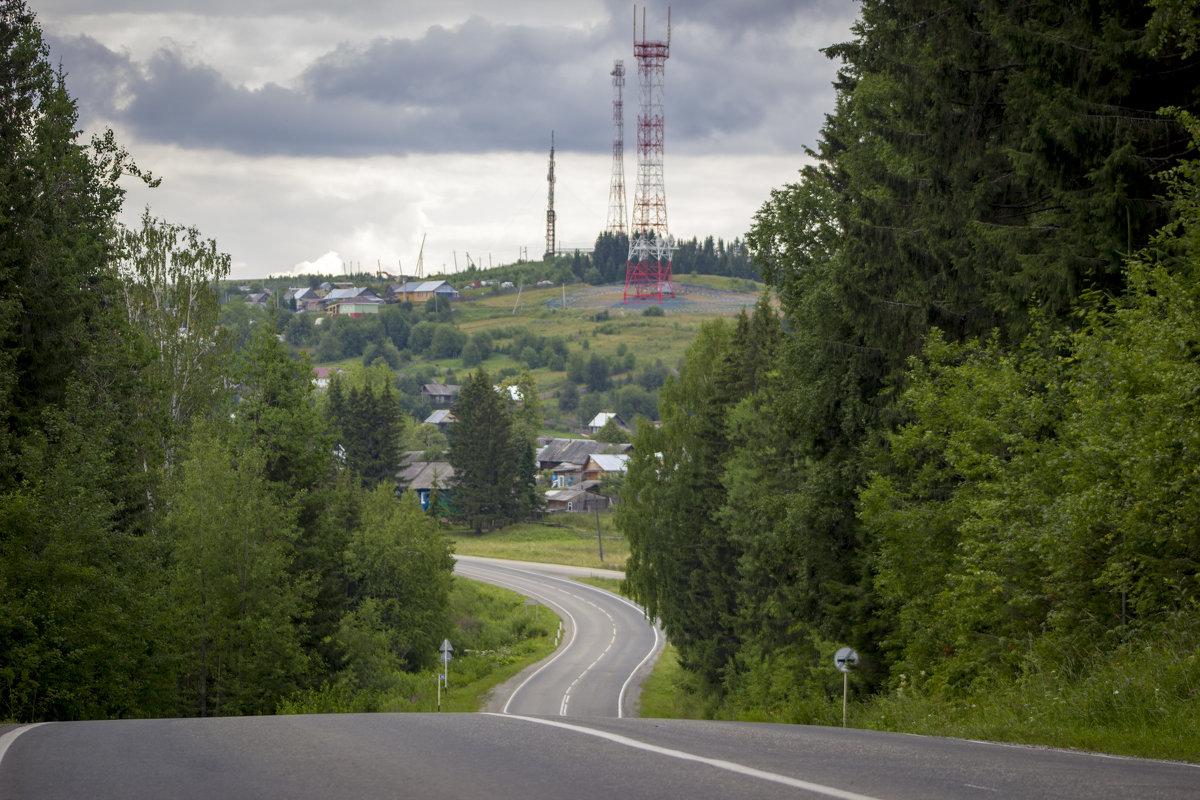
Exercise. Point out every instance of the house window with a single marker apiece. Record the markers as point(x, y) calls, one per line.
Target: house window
point(570, 506)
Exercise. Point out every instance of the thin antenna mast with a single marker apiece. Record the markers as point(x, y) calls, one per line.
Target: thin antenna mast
point(616, 191)
point(550, 217)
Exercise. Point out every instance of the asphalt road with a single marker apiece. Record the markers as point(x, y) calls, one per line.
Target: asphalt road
point(607, 648)
point(510, 757)
point(567, 732)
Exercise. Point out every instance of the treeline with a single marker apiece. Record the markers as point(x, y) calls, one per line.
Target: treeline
point(178, 534)
point(968, 446)
point(605, 264)
point(710, 257)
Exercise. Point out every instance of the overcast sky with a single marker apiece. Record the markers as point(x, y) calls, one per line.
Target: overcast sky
point(298, 132)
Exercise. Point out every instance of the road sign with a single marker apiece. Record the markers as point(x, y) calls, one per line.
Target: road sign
point(844, 659)
point(446, 649)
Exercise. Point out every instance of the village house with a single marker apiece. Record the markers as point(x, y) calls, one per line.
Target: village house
point(303, 298)
point(426, 477)
point(358, 294)
point(601, 465)
point(601, 419)
point(261, 299)
point(565, 474)
point(576, 499)
point(442, 418)
point(420, 291)
point(355, 309)
point(555, 452)
point(438, 394)
point(322, 376)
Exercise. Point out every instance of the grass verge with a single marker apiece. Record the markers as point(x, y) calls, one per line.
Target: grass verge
point(667, 694)
point(494, 637)
point(608, 584)
point(1140, 700)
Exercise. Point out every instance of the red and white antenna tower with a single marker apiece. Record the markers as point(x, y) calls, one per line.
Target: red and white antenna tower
point(616, 191)
point(648, 269)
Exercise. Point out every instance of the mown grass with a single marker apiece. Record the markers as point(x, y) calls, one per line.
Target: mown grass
point(494, 636)
point(607, 584)
point(571, 540)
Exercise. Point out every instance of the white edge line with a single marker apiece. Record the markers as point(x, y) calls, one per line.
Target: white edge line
point(557, 655)
point(626, 601)
point(7, 739)
point(718, 763)
point(653, 626)
point(629, 680)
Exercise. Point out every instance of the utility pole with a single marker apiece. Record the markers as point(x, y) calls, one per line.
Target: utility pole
point(599, 538)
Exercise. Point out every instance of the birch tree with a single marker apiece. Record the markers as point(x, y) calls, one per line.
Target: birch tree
point(169, 277)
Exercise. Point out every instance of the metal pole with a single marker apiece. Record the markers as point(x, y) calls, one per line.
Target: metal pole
point(845, 688)
point(599, 538)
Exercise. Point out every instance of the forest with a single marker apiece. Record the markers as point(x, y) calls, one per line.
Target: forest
point(178, 536)
point(966, 442)
point(960, 434)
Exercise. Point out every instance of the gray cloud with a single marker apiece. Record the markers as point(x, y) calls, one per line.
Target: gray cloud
point(737, 80)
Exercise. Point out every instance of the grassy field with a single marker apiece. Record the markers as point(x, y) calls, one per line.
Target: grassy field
point(571, 539)
point(601, 324)
point(602, 330)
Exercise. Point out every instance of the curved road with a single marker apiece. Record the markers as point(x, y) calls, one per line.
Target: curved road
point(560, 733)
point(608, 646)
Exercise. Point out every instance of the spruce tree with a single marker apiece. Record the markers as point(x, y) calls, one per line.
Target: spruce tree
point(493, 464)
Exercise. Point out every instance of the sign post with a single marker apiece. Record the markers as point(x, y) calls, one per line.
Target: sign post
point(446, 649)
point(844, 659)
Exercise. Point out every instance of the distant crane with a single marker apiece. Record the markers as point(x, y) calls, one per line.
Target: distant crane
point(420, 270)
point(380, 273)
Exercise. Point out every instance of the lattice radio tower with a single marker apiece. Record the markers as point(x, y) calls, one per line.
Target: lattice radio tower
point(648, 269)
point(550, 216)
point(616, 191)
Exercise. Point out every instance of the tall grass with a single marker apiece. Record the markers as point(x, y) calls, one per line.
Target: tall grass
point(670, 692)
point(1140, 699)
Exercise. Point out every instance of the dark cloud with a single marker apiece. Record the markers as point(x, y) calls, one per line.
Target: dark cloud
point(735, 79)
